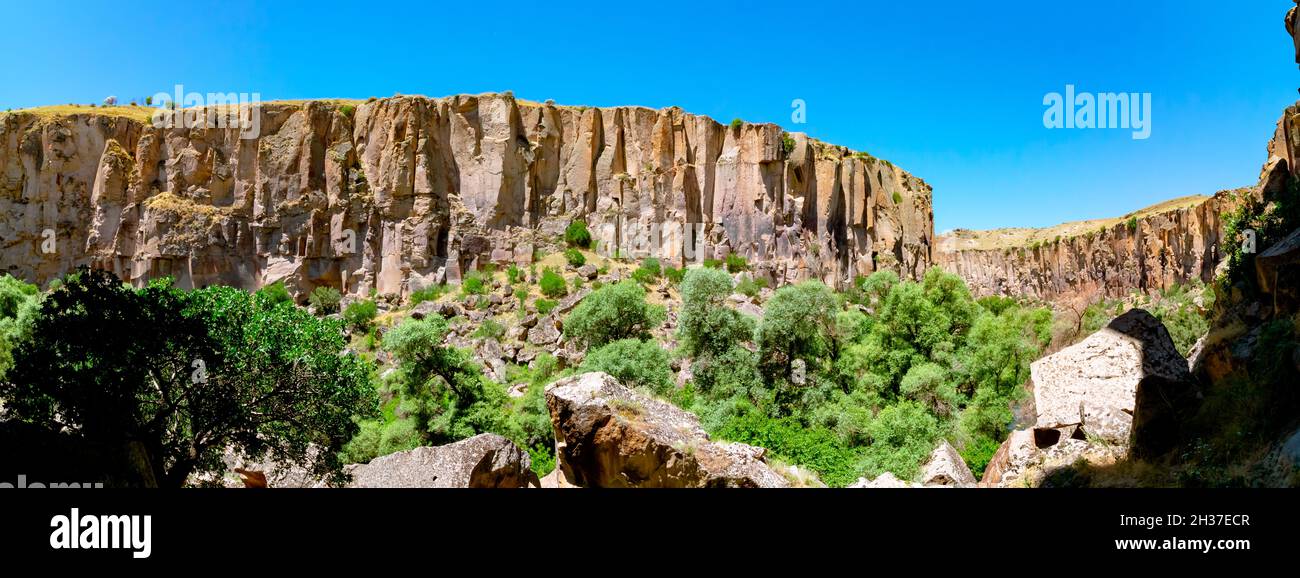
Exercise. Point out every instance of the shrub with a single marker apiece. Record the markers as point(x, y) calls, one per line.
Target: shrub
point(430, 293)
point(750, 287)
point(544, 306)
point(1132, 224)
point(552, 283)
point(712, 264)
point(674, 275)
point(611, 313)
point(902, 436)
point(898, 198)
point(577, 235)
point(575, 257)
point(634, 363)
point(789, 440)
point(325, 299)
point(489, 329)
point(475, 283)
point(736, 123)
point(736, 263)
point(522, 295)
point(275, 293)
point(359, 314)
point(787, 143)
point(515, 275)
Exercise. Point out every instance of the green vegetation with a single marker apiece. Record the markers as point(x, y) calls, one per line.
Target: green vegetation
point(736, 123)
point(187, 374)
point(489, 329)
point(850, 395)
point(476, 283)
point(515, 275)
point(19, 303)
point(736, 263)
point(575, 257)
point(359, 314)
point(325, 299)
point(787, 143)
point(430, 293)
point(1132, 224)
point(750, 287)
point(1183, 309)
point(577, 235)
point(611, 313)
point(275, 293)
point(674, 275)
point(898, 198)
point(553, 284)
point(635, 363)
point(649, 271)
point(544, 306)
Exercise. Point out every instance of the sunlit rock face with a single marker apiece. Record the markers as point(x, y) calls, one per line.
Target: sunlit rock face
point(398, 193)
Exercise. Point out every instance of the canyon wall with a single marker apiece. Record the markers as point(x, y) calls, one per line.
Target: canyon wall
point(395, 194)
point(1152, 250)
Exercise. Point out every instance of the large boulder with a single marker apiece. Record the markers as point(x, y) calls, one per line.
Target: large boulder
point(610, 436)
point(1120, 385)
point(483, 461)
point(947, 468)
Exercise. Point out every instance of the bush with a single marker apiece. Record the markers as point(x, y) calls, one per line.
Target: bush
point(736, 263)
point(736, 123)
point(325, 299)
point(544, 306)
point(577, 235)
point(359, 314)
point(751, 287)
point(712, 264)
point(475, 283)
point(430, 293)
point(515, 275)
point(489, 329)
point(902, 436)
point(611, 313)
point(275, 293)
point(635, 363)
point(575, 257)
point(674, 275)
point(791, 441)
point(553, 284)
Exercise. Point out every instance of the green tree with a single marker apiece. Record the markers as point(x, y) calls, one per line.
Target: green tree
point(798, 323)
point(553, 284)
point(706, 326)
point(635, 363)
point(188, 374)
point(359, 314)
point(613, 312)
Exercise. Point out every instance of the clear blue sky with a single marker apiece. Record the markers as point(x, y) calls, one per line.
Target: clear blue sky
point(950, 90)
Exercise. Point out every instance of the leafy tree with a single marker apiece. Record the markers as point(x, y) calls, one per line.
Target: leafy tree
point(798, 323)
point(706, 325)
point(188, 374)
point(635, 363)
point(613, 312)
point(19, 303)
point(902, 436)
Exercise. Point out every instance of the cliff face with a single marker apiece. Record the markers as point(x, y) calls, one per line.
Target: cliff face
point(1153, 249)
point(398, 193)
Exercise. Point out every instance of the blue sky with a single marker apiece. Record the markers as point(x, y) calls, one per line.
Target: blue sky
point(952, 91)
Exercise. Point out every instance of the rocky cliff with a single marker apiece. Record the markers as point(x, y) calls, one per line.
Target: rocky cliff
point(399, 193)
point(1171, 243)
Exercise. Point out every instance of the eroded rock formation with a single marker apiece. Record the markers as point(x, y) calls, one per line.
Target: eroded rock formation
point(483, 461)
point(398, 193)
point(1154, 249)
point(607, 435)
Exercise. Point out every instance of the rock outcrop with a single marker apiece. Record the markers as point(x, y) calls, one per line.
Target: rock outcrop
point(1115, 385)
point(947, 468)
point(1172, 243)
point(483, 461)
point(398, 193)
point(610, 436)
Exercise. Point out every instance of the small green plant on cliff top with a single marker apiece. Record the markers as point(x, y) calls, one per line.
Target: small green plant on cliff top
point(1132, 224)
point(898, 198)
point(735, 123)
point(787, 143)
